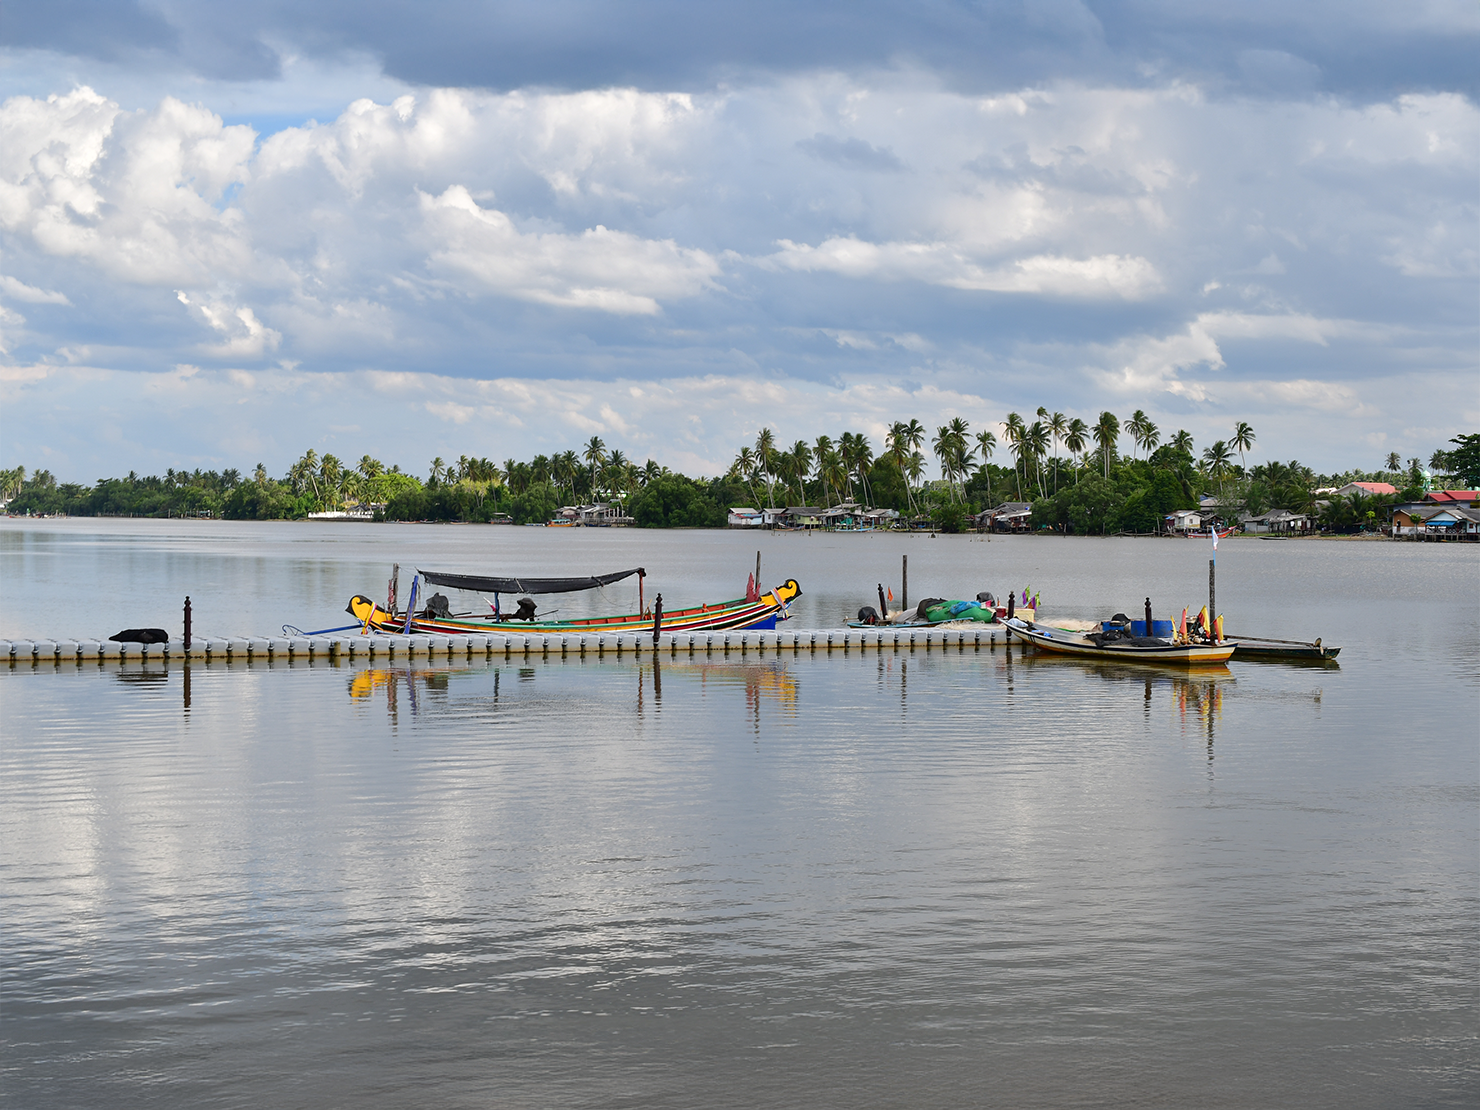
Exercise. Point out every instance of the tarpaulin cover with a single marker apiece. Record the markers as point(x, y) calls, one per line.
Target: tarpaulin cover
point(479, 584)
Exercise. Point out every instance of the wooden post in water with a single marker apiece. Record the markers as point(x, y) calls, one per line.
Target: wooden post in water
point(757, 573)
point(187, 622)
point(1148, 616)
point(904, 585)
point(1212, 595)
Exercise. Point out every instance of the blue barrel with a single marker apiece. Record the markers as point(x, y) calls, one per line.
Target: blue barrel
point(1158, 628)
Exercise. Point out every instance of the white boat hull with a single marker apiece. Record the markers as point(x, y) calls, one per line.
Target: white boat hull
point(1063, 642)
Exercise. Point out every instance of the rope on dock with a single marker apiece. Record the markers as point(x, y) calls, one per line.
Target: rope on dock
point(384, 648)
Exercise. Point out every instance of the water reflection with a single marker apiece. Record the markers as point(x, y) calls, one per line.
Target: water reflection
point(429, 687)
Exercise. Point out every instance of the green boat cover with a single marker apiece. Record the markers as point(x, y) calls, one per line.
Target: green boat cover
point(960, 611)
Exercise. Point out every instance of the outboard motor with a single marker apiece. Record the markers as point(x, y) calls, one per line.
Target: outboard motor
point(987, 600)
point(868, 615)
point(437, 607)
point(526, 609)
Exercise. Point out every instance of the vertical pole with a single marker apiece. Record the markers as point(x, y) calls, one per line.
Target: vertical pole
point(1148, 616)
point(390, 601)
point(904, 584)
point(187, 621)
point(1212, 595)
point(757, 572)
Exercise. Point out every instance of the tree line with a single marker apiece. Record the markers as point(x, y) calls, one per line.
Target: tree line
point(1073, 474)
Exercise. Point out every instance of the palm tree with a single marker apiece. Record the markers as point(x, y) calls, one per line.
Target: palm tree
point(986, 443)
point(1035, 446)
point(651, 472)
point(1243, 439)
point(615, 473)
point(896, 446)
point(1394, 460)
point(914, 468)
point(438, 466)
point(1057, 426)
point(1135, 426)
point(801, 465)
point(370, 467)
point(1216, 461)
point(1182, 441)
point(1150, 437)
point(1076, 439)
point(595, 455)
point(765, 453)
point(1012, 433)
point(1107, 431)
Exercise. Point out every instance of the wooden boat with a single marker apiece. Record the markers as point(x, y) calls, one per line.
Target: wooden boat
point(436, 618)
point(1127, 649)
point(1261, 647)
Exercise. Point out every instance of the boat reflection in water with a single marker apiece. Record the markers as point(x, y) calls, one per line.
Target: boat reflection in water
point(429, 689)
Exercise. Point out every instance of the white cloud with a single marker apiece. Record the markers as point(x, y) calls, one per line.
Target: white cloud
point(946, 264)
point(602, 269)
point(20, 291)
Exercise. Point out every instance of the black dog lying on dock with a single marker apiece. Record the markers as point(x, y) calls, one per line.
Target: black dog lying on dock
point(141, 636)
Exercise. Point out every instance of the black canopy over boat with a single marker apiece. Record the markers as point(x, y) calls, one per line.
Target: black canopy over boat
point(486, 585)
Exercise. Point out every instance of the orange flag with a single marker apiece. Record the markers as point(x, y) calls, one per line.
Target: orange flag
point(1218, 629)
point(1182, 628)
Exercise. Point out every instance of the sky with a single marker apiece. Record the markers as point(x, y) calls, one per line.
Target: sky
point(230, 233)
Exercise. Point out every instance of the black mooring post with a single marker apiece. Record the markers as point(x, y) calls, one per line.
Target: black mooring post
point(1148, 616)
point(187, 620)
point(1212, 595)
point(883, 608)
point(904, 584)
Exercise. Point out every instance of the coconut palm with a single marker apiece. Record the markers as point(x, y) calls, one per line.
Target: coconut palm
point(1012, 435)
point(1058, 425)
point(897, 447)
point(765, 453)
point(986, 443)
point(1243, 439)
point(801, 465)
point(1394, 460)
point(1107, 431)
point(1035, 447)
point(1216, 461)
point(370, 467)
point(1076, 439)
point(595, 456)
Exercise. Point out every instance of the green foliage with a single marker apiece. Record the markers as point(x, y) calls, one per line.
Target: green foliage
point(673, 501)
point(1464, 461)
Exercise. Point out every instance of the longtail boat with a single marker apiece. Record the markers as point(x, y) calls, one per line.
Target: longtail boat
point(1125, 649)
point(758, 611)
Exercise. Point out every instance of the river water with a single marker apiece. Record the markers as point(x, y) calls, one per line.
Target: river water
point(863, 879)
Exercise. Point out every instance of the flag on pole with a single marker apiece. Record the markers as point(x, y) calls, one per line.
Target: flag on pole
point(1182, 628)
point(1212, 531)
point(750, 591)
point(891, 593)
point(1202, 619)
point(1218, 629)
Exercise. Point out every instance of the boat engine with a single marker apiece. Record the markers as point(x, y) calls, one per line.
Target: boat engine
point(868, 615)
point(437, 607)
point(526, 609)
point(987, 600)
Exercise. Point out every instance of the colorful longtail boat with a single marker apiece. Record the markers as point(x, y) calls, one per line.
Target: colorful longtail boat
point(761, 611)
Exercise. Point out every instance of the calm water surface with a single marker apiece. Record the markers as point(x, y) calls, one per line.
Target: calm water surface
point(970, 878)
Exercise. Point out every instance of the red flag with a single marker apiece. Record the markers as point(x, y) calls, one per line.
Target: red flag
point(750, 594)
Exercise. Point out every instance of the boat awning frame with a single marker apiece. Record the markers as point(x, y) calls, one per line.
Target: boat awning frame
point(484, 585)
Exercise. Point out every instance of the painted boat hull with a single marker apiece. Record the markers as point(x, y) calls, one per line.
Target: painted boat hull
point(1062, 642)
point(1252, 648)
point(759, 615)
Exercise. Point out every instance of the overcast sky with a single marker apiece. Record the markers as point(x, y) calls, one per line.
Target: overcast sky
point(233, 232)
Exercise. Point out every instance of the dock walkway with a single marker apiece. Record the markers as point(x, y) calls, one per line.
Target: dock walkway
point(509, 645)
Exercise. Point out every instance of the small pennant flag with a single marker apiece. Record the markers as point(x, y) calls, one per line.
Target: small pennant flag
point(1202, 618)
point(1182, 629)
point(1218, 629)
point(750, 592)
point(1212, 531)
point(891, 593)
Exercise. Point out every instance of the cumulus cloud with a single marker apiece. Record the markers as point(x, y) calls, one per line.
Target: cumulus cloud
point(612, 271)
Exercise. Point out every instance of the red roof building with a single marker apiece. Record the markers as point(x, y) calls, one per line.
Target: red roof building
point(1448, 496)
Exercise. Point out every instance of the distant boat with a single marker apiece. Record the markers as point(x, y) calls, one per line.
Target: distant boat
point(1111, 644)
point(761, 611)
point(1259, 647)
